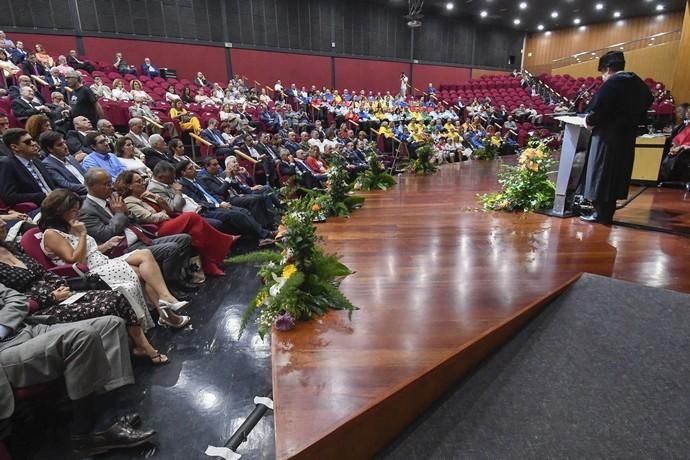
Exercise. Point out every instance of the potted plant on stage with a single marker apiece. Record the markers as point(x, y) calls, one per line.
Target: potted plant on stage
point(422, 165)
point(526, 186)
point(376, 177)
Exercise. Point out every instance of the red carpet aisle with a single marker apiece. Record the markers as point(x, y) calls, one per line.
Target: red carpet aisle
point(434, 277)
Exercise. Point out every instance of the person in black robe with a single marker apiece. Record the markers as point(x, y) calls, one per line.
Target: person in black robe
point(614, 114)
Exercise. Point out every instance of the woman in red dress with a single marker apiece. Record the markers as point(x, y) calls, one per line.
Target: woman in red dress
point(148, 208)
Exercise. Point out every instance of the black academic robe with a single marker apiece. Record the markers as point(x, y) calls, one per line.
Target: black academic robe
point(615, 112)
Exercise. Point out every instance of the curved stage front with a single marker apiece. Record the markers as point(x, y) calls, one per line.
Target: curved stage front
point(439, 285)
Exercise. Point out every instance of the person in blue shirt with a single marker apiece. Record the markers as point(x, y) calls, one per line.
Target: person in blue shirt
point(100, 157)
point(149, 69)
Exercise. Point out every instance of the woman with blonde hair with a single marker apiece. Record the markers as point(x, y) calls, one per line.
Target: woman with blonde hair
point(137, 91)
point(119, 93)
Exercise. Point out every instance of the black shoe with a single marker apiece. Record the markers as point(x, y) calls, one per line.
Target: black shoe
point(179, 295)
point(131, 420)
point(118, 436)
point(590, 218)
point(185, 286)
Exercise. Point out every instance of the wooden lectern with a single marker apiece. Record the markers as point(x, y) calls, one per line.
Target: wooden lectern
point(575, 139)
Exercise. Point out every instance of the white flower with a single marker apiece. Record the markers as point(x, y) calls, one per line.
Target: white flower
point(275, 289)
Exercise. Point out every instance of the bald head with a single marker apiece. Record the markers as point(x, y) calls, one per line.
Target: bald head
point(98, 183)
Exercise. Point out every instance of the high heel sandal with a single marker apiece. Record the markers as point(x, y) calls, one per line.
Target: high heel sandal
point(165, 322)
point(173, 306)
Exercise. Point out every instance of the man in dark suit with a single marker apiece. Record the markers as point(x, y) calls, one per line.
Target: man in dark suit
point(105, 215)
point(262, 208)
point(212, 134)
point(4, 126)
point(235, 220)
point(25, 106)
point(157, 152)
point(32, 66)
point(56, 81)
point(15, 91)
point(149, 69)
point(23, 179)
point(65, 171)
point(74, 61)
point(615, 112)
point(291, 144)
point(76, 139)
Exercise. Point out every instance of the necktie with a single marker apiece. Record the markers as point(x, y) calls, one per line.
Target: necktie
point(38, 178)
point(208, 196)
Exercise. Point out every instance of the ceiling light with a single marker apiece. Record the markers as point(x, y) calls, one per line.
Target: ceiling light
point(484, 14)
point(576, 21)
point(449, 6)
point(516, 21)
point(599, 6)
point(523, 5)
point(554, 14)
point(540, 27)
point(616, 14)
point(660, 7)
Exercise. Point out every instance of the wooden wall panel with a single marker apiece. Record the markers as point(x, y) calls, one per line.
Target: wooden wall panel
point(542, 49)
point(681, 79)
point(657, 62)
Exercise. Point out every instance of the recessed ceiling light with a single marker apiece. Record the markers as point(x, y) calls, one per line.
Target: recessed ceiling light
point(554, 14)
point(516, 21)
point(523, 5)
point(576, 21)
point(449, 6)
point(660, 7)
point(599, 6)
point(616, 14)
point(540, 27)
point(484, 14)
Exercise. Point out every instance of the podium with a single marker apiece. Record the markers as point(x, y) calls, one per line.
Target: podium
point(575, 139)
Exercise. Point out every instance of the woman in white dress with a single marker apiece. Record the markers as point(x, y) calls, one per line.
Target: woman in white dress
point(137, 92)
point(124, 149)
point(64, 242)
point(403, 85)
point(119, 93)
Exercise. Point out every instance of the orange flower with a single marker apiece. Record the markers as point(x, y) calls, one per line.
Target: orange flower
point(532, 166)
point(316, 208)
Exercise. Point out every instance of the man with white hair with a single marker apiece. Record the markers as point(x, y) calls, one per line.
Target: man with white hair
point(139, 137)
point(22, 81)
point(149, 69)
point(157, 152)
point(56, 81)
point(25, 106)
point(76, 138)
point(105, 127)
point(74, 61)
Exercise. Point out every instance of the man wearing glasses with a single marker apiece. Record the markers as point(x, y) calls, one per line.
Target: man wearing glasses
point(23, 179)
point(100, 157)
point(83, 101)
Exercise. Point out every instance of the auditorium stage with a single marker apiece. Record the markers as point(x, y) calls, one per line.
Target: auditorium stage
point(439, 285)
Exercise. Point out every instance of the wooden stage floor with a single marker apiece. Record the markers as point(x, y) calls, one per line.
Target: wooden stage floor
point(435, 280)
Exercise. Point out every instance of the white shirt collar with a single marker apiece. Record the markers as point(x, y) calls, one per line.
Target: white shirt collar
point(101, 202)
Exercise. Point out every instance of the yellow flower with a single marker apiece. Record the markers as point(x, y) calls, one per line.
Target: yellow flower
point(532, 166)
point(538, 154)
point(503, 204)
point(316, 208)
point(289, 270)
point(261, 299)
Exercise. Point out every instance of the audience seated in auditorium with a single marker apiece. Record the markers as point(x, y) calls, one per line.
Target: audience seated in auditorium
point(138, 136)
point(215, 137)
point(101, 156)
point(55, 80)
point(9, 69)
point(122, 66)
point(176, 153)
point(43, 56)
point(100, 89)
point(105, 217)
point(62, 65)
point(90, 356)
point(4, 126)
point(23, 178)
point(24, 106)
point(37, 125)
point(105, 127)
point(145, 207)
point(32, 66)
point(188, 122)
point(157, 152)
point(63, 168)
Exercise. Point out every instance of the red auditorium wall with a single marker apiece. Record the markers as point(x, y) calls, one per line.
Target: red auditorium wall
point(186, 59)
point(356, 74)
point(267, 67)
point(423, 74)
point(54, 44)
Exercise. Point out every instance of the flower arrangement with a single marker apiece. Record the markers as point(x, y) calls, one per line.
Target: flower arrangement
point(376, 177)
point(337, 199)
point(299, 279)
point(527, 186)
point(422, 165)
point(490, 149)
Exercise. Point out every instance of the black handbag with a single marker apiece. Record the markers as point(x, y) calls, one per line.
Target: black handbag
point(87, 282)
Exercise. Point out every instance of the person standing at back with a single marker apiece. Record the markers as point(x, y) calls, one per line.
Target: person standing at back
point(614, 114)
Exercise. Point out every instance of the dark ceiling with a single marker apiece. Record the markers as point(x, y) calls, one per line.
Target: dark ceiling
point(538, 12)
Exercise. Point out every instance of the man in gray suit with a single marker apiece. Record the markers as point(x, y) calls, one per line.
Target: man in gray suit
point(91, 356)
point(66, 172)
point(105, 215)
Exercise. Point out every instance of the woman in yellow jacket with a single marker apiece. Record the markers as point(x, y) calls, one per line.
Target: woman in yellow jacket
point(188, 122)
